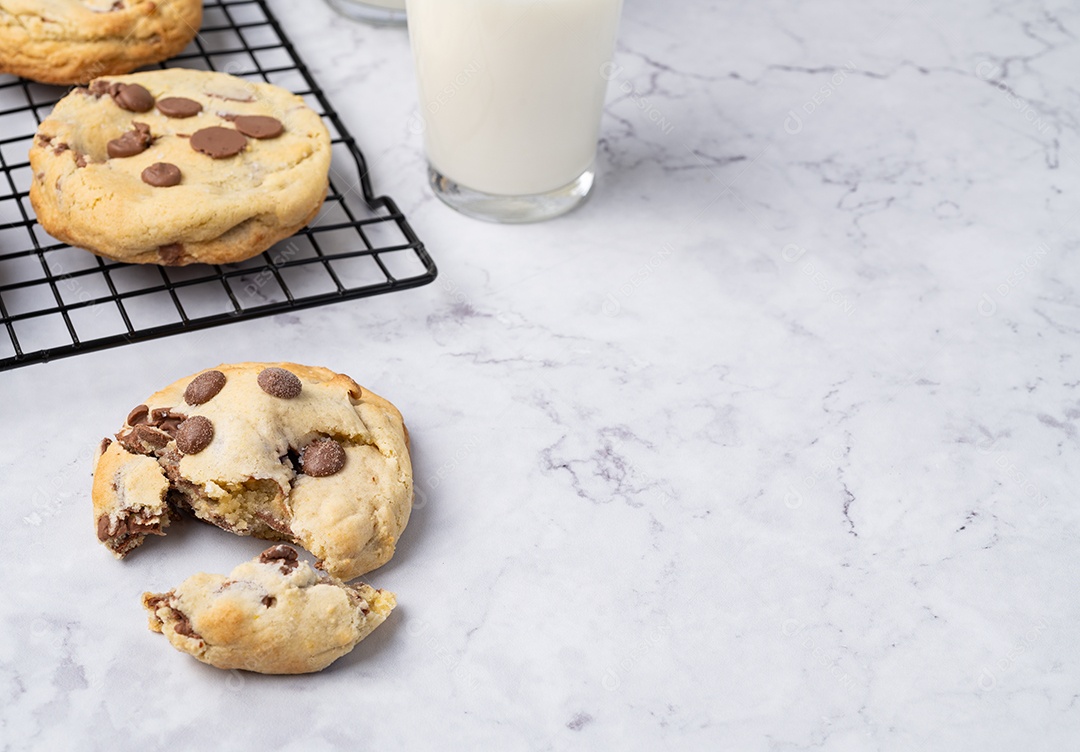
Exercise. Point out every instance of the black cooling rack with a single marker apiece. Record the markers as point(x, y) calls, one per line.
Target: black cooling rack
point(56, 300)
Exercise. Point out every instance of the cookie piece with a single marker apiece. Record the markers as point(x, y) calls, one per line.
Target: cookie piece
point(132, 493)
point(150, 168)
point(274, 450)
point(271, 615)
point(74, 41)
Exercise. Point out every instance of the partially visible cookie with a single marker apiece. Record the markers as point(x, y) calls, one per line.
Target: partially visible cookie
point(178, 167)
point(273, 450)
point(271, 615)
point(74, 41)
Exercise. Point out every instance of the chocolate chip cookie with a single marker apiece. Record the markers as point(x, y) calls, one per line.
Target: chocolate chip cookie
point(74, 41)
point(271, 615)
point(177, 167)
point(274, 450)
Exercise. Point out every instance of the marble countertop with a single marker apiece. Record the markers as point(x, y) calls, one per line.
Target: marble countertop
point(768, 447)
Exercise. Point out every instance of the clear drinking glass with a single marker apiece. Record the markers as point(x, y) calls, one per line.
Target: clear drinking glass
point(511, 94)
point(376, 12)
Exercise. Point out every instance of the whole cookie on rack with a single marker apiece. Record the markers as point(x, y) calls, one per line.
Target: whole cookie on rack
point(272, 615)
point(274, 450)
point(74, 41)
point(177, 167)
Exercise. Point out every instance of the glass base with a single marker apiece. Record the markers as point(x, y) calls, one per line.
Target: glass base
point(370, 14)
point(512, 209)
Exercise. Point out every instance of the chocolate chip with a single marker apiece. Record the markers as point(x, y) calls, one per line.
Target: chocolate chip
point(259, 126)
point(163, 416)
point(204, 387)
point(218, 142)
point(143, 439)
point(178, 107)
point(169, 426)
point(277, 382)
point(105, 444)
point(284, 555)
point(183, 624)
point(194, 435)
point(161, 175)
point(80, 160)
point(322, 457)
point(103, 527)
point(171, 254)
point(60, 148)
point(98, 88)
point(135, 141)
point(131, 97)
point(139, 415)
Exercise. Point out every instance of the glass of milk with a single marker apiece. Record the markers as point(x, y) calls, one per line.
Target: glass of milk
point(511, 93)
point(376, 12)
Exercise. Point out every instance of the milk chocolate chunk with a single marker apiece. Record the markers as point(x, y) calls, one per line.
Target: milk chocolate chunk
point(161, 175)
point(171, 254)
point(218, 142)
point(103, 526)
point(322, 457)
point(138, 415)
point(194, 435)
point(204, 387)
point(164, 419)
point(259, 126)
point(143, 439)
point(135, 141)
point(131, 97)
point(283, 555)
point(277, 382)
point(178, 107)
point(98, 88)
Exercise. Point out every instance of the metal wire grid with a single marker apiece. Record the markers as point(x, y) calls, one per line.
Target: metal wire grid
point(57, 301)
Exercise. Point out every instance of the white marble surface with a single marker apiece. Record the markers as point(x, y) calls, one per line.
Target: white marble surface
point(772, 446)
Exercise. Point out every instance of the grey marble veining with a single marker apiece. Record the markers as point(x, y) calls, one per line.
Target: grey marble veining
point(771, 446)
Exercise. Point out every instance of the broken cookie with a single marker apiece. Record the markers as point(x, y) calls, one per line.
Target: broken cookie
point(271, 615)
point(278, 451)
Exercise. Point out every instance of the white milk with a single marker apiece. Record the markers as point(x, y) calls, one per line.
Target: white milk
point(511, 91)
